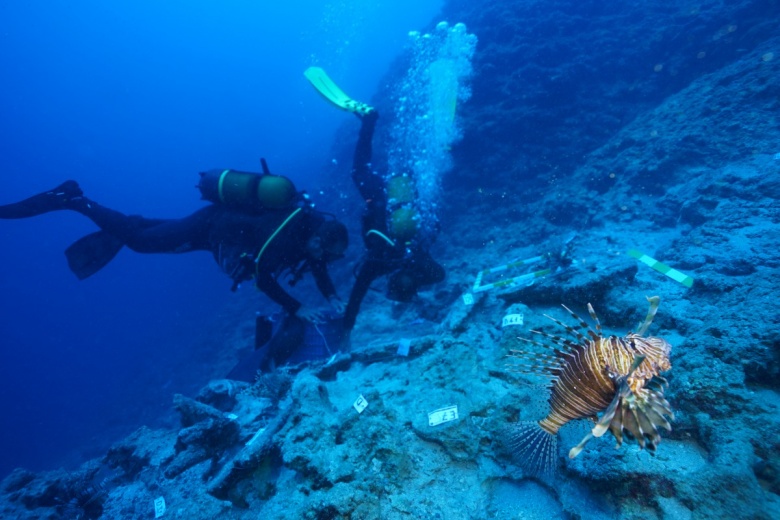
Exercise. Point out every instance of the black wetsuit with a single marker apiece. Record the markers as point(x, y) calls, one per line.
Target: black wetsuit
point(233, 237)
point(381, 257)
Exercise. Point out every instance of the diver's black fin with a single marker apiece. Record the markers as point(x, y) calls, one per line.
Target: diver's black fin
point(51, 200)
point(89, 254)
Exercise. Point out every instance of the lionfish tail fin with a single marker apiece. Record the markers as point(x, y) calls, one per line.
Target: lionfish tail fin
point(532, 448)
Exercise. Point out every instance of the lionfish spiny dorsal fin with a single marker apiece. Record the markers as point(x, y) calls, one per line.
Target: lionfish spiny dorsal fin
point(533, 355)
point(571, 330)
point(566, 345)
point(583, 325)
point(595, 318)
point(654, 302)
point(537, 364)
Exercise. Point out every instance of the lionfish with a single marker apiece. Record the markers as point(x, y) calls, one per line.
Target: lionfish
point(617, 377)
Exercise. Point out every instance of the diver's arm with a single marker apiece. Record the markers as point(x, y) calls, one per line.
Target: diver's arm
point(321, 277)
point(266, 283)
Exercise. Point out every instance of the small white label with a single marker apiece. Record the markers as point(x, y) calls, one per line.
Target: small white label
point(255, 437)
point(468, 299)
point(403, 347)
point(159, 507)
point(512, 319)
point(231, 416)
point(442, 415)
point(360, 404)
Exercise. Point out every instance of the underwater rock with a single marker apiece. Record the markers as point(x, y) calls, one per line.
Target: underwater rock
point(192, 411)
point(204, 440)
point(16, 480)
point(221, 393)
point(143, 449)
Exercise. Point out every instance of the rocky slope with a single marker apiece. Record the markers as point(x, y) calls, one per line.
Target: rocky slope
point(652, 128)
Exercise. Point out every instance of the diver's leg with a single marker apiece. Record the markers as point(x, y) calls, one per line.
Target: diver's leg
point(138, 233)
point(426, 270)
point(57, 199)
point(370, 185)
point(287, 340)
point(145, 235)
point(368, 272)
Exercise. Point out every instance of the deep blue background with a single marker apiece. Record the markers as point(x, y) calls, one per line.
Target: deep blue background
point(132, 99)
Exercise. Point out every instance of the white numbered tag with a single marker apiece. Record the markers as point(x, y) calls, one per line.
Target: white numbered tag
point(403, 347)
point(360, 404)
point(512, 319)
point(159, 507)
point(468, 299)
point(442, 415)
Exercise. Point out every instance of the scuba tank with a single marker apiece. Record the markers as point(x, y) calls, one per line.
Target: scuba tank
point(254, 192)
point(403, 218)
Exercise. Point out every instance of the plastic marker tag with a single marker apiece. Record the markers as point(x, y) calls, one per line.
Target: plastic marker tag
point(442, 415)
point(159, 507)
point(255, 437)
point(360, 404)
point(662, 268)
point(403, 347)
point(512, 319)
point(231, 416)
point(468, 299)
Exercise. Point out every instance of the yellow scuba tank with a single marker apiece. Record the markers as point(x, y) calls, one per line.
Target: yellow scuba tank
point(403, 223)
point(400, 190)
point(403, 218)
point(246, 190)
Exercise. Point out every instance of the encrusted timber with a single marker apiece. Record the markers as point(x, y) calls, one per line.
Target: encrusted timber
point(248, 459)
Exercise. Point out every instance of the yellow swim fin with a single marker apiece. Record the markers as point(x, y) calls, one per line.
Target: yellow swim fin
point(330, 91)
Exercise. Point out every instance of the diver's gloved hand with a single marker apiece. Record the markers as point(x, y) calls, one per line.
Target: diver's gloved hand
point(338, 304)
point(310, 315)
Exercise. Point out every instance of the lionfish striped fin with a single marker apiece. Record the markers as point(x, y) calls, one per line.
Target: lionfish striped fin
point(595, 318)
point(532, 448)
point(571, 330)
point(535, 364)
point(654, 302)
point(541, 344)
point(579, 447)
point(583, 324)
point(566, 345)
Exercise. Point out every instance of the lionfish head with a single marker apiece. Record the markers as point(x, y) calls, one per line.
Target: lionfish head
point(656, 352)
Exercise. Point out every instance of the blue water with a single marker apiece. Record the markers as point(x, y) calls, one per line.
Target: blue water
point(132, 99)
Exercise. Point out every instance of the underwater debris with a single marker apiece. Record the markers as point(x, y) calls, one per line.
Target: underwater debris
point(84, 499)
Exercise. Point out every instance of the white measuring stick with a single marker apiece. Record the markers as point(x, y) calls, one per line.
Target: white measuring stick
point(511, 281)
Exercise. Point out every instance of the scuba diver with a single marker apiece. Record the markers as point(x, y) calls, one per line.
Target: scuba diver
point(395, 245)
point(257, 226)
